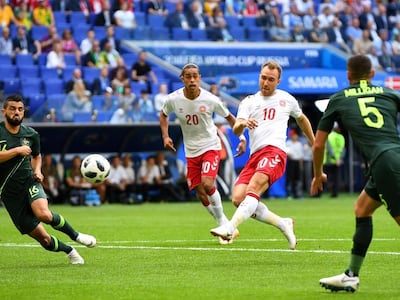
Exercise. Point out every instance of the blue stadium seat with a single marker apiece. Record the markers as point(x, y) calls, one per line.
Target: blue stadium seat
point(199, 35)
point(90, 73)
point(82, 117)
point(155, 21)
point(123, 33)
point(31, 86)
point(59, 17)
point(5, 60)
point(24, 60)
point(151, 117)
point(238, 33)
point(77, 17)
point(104, 116)
point(11, 85)
point(28, 72)
point(8, 71)
point(97, 102)
point(70, 59)
point(36, 104)
point(160, 34)
point(130, 58)
point(249, 21)
point(55, 101)
point(176, 85)
point(48, 73)
point(180, 34)
point(140, 18)
point(53, 86)
point(38, 32)
point(232, 21)
point(42, 59)
point(67, 72)
point(137, 87)
point(100, 32)
point(142, 33)
point(255, 34)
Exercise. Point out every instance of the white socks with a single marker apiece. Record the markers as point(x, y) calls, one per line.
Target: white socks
point(263, 214)
point(216, 207)
point(245, 210)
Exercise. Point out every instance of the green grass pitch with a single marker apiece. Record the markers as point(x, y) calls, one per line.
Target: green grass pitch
point(165, 251)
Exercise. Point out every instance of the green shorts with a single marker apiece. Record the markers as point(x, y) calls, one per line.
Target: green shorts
point(18, 204)
point(384, 182)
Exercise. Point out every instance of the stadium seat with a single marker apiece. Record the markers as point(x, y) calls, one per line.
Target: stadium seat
point(24, 60)
point(90, 73)
point(55, 101)
point(82, 117)
point(38, 32)
point(59, 17)
point(31, 86)
point(100, 32)
point(140, 18)
point(123, 33)
point(155, 21)
point(232, 21)
point(36, 105)
point(28, 71)
point(5, 60)
point(70, 59)
point(151, 117)
point(255, 34)
point(199, 35)
point(180, 34)
point(8, 71)
point(130, 58)
point(48, 73)
point(136, 87)
point(53, 86)
point(103, 116)
point(176, 85)
point(249, 21)
point(67, 72)
point(97, 102)
point(42, 59)
point(11, 86)
point(142, 33)
point(77, 17)
point(238, 33)
point(160, 34)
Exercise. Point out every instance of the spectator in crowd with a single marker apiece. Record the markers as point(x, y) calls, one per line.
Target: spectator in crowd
point(294, 169)
point(317, 35)
point(127, 97)
point(383, 49)
point(6, 45)
point(116, 182)
point(110, 38)
point(106, 16)
point(94, 58)
point(43, 14)
point(326, 18)
point(195, 16)
point(159, 98)
point(23, 15)
point(357, 8)
point(70, 46)
point(7, 16)
point(367, 17)
point(76, 77)
point(353, 32)
point(24, 44)
point(336, 38)
point(87, 43)
point(298, 34)
point(77, 186)
point(279, 33)
point(136, 115)
point(292, 18)
point(120, 80)
point(396, 52)
point(208, 6)
point(100, 83)
point(96, 6)
point(110, 56)
point(122, 115)
point(381, 19)
point(48, 40)
point(333, 159)
point(127, 164)
point(167, 183)
point(234, 8)
point(157, 7)
point(392, 7)
point(76, 6)
point(77, 100)
point(219, 29)
point(148, 177)
point(363, 45)
point(124, 17)
point(146, 103)
point(117, 4)
point(51, 180)
point(55, 58)
point(268, 12)
point(345, 17)
point(110, 101)
point(141, 71)
point(250, 8)
point(177, 18)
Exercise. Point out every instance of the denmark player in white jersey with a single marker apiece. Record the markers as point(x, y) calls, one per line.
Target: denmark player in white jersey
point(266, 115)
point(194, 108)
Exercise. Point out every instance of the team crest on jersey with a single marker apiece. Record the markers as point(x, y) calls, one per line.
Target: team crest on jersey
point(180, 110)
point(203, 108)
point(282, 103)
point(25, 142)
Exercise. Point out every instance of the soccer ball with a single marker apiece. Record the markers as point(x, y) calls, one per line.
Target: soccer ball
point(95, 168)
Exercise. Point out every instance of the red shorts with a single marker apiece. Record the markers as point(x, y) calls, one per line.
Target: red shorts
point(269, 160)
point(206, 164)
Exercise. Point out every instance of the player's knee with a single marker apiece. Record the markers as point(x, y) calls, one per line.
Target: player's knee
point(44, 216)
point(47, 243)
point(236, 201)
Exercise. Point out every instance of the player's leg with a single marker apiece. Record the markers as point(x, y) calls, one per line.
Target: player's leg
point(51, 243)
point(41, 210)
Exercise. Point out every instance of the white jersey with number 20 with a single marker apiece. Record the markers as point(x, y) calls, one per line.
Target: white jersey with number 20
point(196, 120)
point(272, 114)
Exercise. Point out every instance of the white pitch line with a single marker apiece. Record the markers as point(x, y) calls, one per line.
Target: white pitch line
point(209, 249)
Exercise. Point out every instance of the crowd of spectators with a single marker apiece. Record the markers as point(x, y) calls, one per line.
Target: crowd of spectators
point(61, 35)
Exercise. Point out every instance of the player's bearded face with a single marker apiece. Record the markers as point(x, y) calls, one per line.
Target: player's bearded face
point(14, 115)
